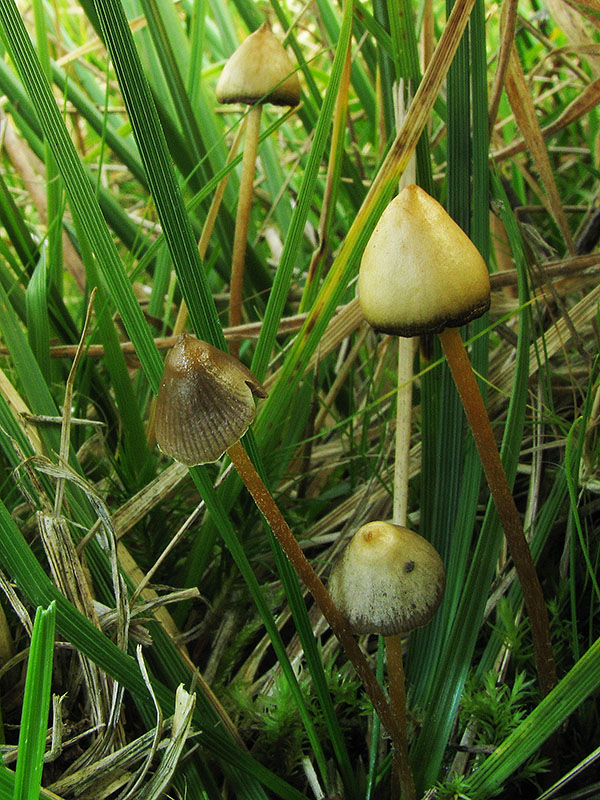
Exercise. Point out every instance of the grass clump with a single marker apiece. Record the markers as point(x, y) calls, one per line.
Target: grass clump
point(190, 659)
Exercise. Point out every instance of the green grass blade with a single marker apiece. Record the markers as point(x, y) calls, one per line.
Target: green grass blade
point(282, 281)
point(35, 388)
point(36, 704)
point(451, 464)
point(120, 145)
point(335, 285)
point(78, 188)
point(38, 323)
point(314, 662)
point(444, 696)
point(161, 178)
point(21, 565)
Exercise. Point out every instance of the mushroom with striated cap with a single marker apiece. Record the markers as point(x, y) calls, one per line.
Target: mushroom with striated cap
point(205, 402)
point(259, 71)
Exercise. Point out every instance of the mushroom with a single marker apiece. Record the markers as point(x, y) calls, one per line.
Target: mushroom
point(420, 274)
point(204, 406)
point(389, 580)
point(205, 402)
point(260, 71)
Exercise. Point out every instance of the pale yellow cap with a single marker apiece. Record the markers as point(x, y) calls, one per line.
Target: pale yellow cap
point(420, 273)
point(259, 70)
point(388, 580)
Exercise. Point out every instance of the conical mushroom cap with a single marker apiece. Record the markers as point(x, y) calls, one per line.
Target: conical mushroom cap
point(388, 580)
point(420, 273)
point(259, 70)
point(205, 402)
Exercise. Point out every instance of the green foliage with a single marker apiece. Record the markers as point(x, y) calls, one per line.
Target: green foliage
point(497, 707)
point(113, 104)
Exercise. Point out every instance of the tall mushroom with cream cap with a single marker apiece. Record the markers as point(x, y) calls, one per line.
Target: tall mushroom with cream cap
point(389, 580)
point(260, 71)
point(420, 274)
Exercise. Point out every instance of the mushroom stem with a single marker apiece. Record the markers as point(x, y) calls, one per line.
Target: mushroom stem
point(476, 413)
point(268, 507)
point(242, 219)
point(402, 770)
point(403, 429)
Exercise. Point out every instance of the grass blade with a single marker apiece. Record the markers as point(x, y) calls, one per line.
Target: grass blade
point(36, 703)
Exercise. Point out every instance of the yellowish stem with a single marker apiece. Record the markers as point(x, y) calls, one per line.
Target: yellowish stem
point(242, 219)
point(476, 413)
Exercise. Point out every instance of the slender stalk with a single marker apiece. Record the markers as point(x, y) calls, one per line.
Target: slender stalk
point(242, 219)
point(402, 770)
point(403, 426)
point(476, 413)
point(338, 624)
point(402, 777)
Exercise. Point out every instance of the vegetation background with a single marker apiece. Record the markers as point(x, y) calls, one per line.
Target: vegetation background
point(179, 654)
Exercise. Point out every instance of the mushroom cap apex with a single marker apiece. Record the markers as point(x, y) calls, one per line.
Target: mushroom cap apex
point(259, 71)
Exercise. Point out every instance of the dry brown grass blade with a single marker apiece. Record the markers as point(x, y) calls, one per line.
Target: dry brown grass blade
point(94, 778)
point(570, 19)
point(344, 322)
point(128, 515)
point(508, 21)
point(250, 330)
point(136, 508)
point(548, 344)
point(523, 108)
point(593, 5)
point(583, 104)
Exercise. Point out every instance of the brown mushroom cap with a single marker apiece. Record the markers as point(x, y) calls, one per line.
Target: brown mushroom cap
point(420, 273)
point(205, 402)
point(260, 70)
point(388, 580)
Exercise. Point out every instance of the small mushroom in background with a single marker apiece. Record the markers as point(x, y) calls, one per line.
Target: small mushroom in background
point(420, 273)
point(205, 402)
point(260, 71)
point(389, 580)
